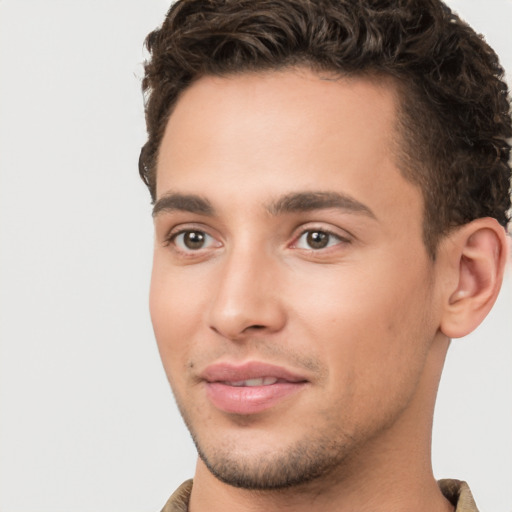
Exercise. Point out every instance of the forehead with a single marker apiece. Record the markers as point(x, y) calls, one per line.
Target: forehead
point(279, 107)
point(252, 135)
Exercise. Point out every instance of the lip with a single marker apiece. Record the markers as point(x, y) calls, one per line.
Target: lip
point(247, 400)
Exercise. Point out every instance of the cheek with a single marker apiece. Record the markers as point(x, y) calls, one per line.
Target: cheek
point(175, 309)
point(368, 324)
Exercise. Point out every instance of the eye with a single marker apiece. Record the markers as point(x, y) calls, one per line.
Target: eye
point(192, 240)
point(315, 239)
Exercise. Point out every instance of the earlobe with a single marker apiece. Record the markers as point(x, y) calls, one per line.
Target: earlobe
point(478, 256)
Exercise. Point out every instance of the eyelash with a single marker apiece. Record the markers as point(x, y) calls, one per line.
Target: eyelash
point(330, 234)
point(173, 236)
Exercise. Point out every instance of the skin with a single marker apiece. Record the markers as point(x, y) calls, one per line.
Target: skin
point(361, 319)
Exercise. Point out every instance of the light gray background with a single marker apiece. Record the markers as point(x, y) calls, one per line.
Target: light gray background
point(87, 422)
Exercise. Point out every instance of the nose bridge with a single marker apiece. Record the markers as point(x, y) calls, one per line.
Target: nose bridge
point(246, 295)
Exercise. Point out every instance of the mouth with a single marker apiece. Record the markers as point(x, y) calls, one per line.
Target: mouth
point(262, 381)
point(250, 388)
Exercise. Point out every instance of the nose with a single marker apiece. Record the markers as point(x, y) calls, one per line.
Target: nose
point(248, 298)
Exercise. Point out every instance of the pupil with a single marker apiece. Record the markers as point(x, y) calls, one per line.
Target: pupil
point(318, 239)
point(194, 239)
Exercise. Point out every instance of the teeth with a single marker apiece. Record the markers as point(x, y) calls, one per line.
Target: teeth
point(264, 381)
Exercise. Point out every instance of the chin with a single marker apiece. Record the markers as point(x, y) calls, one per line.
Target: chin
point(297, 464)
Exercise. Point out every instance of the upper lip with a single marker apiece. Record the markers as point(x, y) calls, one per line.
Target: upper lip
point(228, 372)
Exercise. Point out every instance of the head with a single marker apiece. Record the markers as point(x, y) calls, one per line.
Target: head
point(329, 182)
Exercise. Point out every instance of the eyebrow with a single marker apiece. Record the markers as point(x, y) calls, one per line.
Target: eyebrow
point(290, 203)
point(183, 202)
point(307, 201)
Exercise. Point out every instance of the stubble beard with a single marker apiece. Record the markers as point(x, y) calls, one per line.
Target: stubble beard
point(326, 454)
point(325, 457)
point(299, 464)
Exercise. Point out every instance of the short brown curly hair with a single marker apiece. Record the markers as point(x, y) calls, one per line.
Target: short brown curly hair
point(454, 117)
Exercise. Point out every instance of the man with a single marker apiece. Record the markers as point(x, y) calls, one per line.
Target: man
point(331, 188)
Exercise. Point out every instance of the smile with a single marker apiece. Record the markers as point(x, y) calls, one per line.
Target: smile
point(250, 388)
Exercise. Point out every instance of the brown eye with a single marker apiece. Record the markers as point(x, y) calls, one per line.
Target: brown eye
point(192, 240)
point(317, 239)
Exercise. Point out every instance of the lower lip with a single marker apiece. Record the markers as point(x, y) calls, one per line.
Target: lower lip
point(249, 399)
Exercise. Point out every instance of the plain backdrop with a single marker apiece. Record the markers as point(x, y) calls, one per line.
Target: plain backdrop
point(87, 422)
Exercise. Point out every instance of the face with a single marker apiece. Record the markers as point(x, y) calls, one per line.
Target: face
point(291, 295)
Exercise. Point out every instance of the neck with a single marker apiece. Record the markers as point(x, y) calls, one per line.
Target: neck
point(392, 472)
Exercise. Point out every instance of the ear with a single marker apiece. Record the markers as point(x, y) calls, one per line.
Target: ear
point(477, 254)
